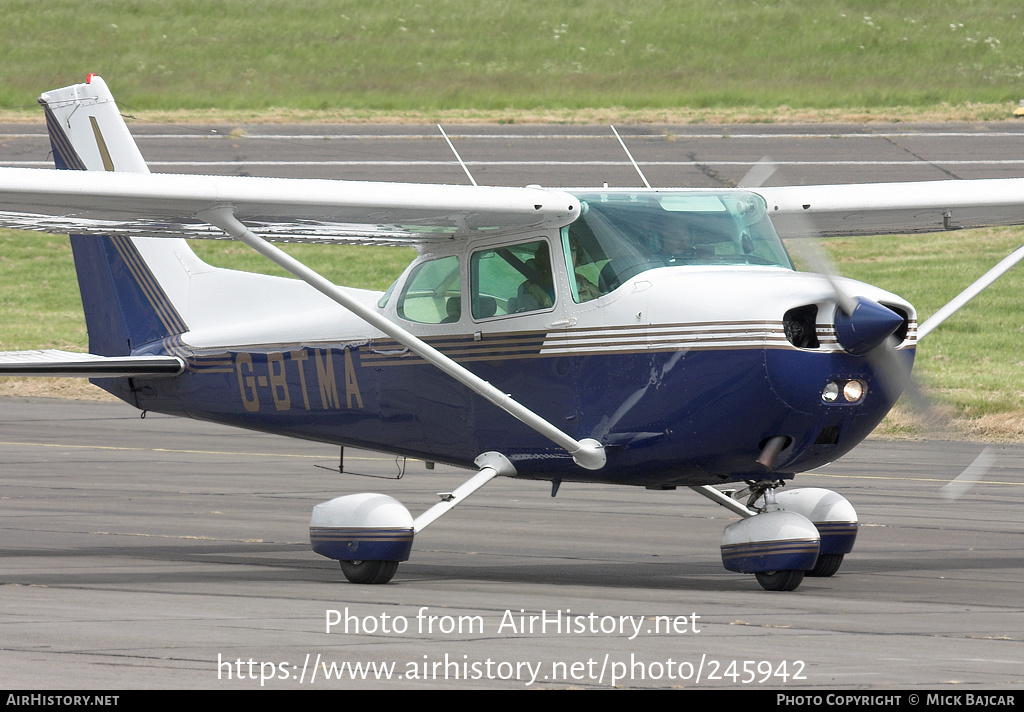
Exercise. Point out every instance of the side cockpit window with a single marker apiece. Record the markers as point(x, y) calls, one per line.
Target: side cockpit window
point(587, 261)
point(514, 279)
point(432, 294)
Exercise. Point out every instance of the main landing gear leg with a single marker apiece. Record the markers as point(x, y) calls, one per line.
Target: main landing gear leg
point(370, 534)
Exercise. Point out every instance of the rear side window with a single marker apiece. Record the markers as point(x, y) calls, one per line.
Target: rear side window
point(433, 293)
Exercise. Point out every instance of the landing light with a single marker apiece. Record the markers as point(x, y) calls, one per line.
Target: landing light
point(831, 392)
point(852, 391)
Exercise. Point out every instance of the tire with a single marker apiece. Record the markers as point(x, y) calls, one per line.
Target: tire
point(779, 580)
point(826, 565)
point(369, 572)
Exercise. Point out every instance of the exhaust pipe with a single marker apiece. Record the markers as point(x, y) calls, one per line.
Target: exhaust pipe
point(770, 452)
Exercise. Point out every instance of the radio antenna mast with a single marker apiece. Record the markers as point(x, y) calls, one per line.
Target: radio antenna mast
point(630, 156)
point(457, 156)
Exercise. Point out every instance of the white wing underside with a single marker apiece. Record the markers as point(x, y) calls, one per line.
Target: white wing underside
point(329, 211)
point(278, 209)
point(118, 195)
point(894, 208)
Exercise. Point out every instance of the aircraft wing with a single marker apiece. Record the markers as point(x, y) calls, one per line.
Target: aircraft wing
point(51, 362)
point(277, 209)
point(334, 211)
point(894, 208)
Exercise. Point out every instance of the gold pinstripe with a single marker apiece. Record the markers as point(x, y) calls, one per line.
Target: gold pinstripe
point(61, 144)
point(152, 290)
point(696, 336)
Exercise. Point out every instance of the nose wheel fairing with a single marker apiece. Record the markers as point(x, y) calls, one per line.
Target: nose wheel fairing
point(787, 535)
point(773, 541)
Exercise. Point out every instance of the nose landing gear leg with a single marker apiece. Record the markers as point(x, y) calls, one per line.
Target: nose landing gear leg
point(777, 546)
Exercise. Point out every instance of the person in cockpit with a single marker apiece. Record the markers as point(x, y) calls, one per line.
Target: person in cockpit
point(680, 246)
point(586, 289)
point(538, 290)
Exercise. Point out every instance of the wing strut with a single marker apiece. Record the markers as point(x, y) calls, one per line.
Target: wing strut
point(587, 453)
point(970, 293)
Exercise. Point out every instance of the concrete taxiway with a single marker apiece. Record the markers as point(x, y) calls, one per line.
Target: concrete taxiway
point(170, 553)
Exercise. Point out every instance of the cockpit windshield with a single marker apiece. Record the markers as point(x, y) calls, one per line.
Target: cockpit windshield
point(619, 235)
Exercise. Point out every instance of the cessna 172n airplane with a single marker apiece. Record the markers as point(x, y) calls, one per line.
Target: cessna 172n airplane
point(646, 337)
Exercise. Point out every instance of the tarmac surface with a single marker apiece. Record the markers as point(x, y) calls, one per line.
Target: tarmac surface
point(566, 155)
point(171, 553)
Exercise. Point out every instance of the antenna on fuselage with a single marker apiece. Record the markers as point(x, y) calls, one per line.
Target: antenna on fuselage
point(457, 156)
point(630, 156)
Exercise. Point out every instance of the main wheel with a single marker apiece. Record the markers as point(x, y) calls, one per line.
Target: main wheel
point(369, 571)
point(826, 565)
point(779, 580)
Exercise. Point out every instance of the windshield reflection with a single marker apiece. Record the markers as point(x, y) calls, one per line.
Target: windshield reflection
point(618, 235)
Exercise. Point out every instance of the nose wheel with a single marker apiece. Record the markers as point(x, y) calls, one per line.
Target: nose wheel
point(778, 547)
point(826, 565)
point(779, 580)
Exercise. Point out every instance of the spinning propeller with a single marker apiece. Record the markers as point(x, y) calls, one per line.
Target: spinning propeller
point(866, 328)
point(863, 326)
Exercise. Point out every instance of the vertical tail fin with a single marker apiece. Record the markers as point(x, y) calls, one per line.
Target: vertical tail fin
point(87, 132)
point(128, 285)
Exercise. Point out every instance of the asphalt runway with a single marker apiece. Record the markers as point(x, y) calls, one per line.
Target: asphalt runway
point(166, 553)
point(567, 156)
point(170, 553)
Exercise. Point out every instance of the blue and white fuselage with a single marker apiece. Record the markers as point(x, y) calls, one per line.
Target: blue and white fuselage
point(678, 364)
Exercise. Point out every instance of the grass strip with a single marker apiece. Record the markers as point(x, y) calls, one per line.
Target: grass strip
point(497, 56)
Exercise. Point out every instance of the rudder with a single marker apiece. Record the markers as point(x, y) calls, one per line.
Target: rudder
point(126, 305)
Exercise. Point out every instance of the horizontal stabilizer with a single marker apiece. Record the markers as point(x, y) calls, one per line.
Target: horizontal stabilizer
point(66, 364)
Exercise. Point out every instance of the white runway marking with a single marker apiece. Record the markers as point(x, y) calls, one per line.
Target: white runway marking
point(613, 164)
